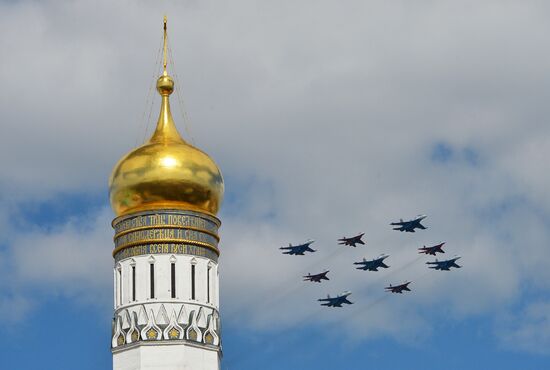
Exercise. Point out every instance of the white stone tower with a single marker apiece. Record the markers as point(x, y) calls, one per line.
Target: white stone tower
point(165, 195)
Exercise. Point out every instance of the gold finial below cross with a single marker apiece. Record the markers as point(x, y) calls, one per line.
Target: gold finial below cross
point(165, 45)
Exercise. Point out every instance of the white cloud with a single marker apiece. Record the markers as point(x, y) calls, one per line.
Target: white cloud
point(529, 330)
point(72, 260)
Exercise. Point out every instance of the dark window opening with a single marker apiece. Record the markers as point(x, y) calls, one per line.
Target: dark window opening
point(208, 286)
point(119, 286)
point(152, 273)
point(173, 281)
point(192, 281)
point(133, 283)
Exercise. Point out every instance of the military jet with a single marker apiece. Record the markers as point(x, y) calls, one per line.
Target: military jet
point(444, 265)
point(317, 277)
point(432, 250)
point(409, 226)
point(374, 264)
point(398, 288)
point(336, 301)
point(300, 249)
point(352, 241)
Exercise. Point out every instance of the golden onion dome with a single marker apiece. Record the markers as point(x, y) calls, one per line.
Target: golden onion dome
point(166, 172)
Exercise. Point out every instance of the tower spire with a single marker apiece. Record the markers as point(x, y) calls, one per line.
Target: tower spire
point(166, 130)
point(164, 48)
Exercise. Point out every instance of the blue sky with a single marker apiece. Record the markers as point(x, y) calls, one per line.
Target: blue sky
point(326, 120)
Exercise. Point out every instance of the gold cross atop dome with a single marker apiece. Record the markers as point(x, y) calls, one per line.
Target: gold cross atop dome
point(166, 172)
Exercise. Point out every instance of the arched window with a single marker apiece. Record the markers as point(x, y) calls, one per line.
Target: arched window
point(133, 265)
point(151, 277)
point(193, 265)
point(173, 276)
point(208, 272)
point(119, 284)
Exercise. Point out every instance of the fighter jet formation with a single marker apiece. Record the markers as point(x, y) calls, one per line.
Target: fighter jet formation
point(376, 263)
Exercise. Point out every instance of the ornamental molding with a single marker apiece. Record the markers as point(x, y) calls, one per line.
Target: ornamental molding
point(150, 323)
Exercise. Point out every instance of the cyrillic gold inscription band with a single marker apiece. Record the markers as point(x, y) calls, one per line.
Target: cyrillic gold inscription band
point(165, 248)
point(166, 231)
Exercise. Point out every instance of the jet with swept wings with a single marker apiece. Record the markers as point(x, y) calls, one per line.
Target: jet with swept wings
point(298, 250)
point(444, 265)
point(409, 226)
point(398, 288)
point(432, 250)
point(336, 301)
point(352, 241)
point(317, 277)
point(374, 264)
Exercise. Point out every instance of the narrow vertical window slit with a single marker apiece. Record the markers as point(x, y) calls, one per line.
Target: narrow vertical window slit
point(152, 273)
point(192, 281)
point(173, 280)
point(133, 283)
point(208, 285)
point(119, 286)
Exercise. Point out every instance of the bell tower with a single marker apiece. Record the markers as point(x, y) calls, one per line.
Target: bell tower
point(165, 195)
